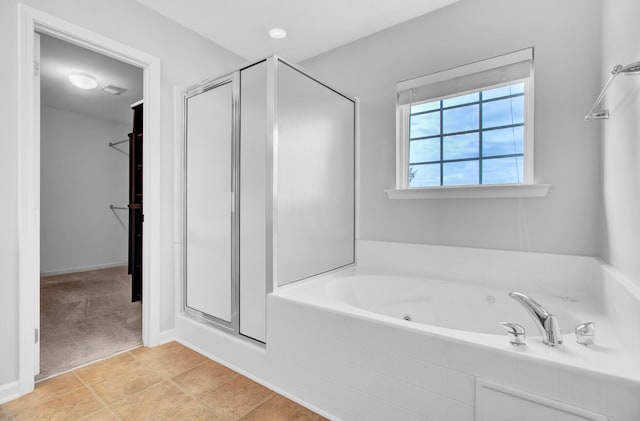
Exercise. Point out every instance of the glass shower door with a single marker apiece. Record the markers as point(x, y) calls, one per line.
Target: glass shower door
point(209, 201)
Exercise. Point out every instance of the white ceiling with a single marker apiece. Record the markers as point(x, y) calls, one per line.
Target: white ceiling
point(238, 25)
point(313, 27)
point(58, 59)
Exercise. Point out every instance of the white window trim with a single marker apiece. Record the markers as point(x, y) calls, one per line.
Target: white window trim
point(526, 189)
point(480, 191)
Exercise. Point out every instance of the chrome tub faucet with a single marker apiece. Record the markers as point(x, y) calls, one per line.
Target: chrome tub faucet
point(546, 322)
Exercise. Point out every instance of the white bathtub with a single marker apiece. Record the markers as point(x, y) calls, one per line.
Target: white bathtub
point(472, 313)
point(351, 326)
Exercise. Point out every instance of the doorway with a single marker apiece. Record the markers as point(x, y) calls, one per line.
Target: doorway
point(90, 205)
point(32, 21)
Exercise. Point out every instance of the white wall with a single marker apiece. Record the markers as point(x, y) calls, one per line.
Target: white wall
point(9, 194)
point(80, 177)
point(621, 139)
point(185, 59)
point(566, 36)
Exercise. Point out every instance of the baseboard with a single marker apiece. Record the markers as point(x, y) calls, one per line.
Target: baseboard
point(83, 268)
point(9, 391)
point(165, 336)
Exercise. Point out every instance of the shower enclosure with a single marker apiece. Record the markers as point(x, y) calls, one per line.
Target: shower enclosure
point(269, 190)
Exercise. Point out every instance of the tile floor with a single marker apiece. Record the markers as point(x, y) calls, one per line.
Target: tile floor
point(168, 382)
point(86, 316)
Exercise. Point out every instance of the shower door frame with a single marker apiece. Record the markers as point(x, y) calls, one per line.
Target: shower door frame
point(234, 78)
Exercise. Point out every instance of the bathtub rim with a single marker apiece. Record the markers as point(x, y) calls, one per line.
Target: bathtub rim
point(627, 368)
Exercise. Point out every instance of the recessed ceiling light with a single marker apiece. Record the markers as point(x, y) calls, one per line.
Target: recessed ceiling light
point(277, 33)
point(83, 80)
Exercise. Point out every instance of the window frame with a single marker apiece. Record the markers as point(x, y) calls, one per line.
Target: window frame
point(403, 112)
point(406, 125)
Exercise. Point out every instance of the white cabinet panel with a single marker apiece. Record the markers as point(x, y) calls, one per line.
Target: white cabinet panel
point(500, 403)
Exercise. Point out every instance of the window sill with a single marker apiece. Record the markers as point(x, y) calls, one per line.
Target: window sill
point(490, 191)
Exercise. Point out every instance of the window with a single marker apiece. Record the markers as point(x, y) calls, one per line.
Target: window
point(474, 138)
point(467, 126)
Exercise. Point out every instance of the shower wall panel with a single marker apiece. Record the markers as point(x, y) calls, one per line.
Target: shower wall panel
point(315, 177)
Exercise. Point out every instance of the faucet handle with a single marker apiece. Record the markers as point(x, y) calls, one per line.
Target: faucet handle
point(585, 333)
point(515, 333)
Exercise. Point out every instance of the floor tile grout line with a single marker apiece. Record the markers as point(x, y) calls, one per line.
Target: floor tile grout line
point(271, 395)
point(138, 361)
point(194, 397)
point(235, 375)
point(139, 391)
point(95, 394)
point(5, 412)
point(197, 397)
point(166, 375)
point(170, 378)
point(49, 398)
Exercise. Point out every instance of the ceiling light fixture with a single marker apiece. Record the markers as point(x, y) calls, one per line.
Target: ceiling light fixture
point(277, 33)
point(83, 80)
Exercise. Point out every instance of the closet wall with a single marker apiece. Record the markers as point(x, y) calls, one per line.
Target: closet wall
point(81, 176)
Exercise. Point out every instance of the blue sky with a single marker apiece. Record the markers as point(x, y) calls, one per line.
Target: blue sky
point(464, 118)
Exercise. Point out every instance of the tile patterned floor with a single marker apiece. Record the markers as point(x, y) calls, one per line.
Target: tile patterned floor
point(86, 316)
point(169, 382)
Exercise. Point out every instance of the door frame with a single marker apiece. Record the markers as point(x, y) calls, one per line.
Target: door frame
point(31, 20)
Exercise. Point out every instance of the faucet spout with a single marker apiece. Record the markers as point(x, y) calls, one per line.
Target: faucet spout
point(546, 322)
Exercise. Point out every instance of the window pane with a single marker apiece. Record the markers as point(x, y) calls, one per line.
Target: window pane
point(460, 173)
point(427, 106)
point(460, 146)
point(502, 170)
point(424, 150)
point(460, 119)
point(425, 125)
point(503, 141)
point(503, 112)
point(459, 100)
point(517, 88)
point(424, 175)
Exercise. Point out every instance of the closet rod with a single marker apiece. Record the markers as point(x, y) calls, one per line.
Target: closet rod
point(112, 144)
point(118, 207)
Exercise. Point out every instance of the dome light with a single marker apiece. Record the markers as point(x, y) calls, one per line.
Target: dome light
point(83, 80)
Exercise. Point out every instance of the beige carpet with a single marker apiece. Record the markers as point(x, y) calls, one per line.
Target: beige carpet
point(86, 316)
